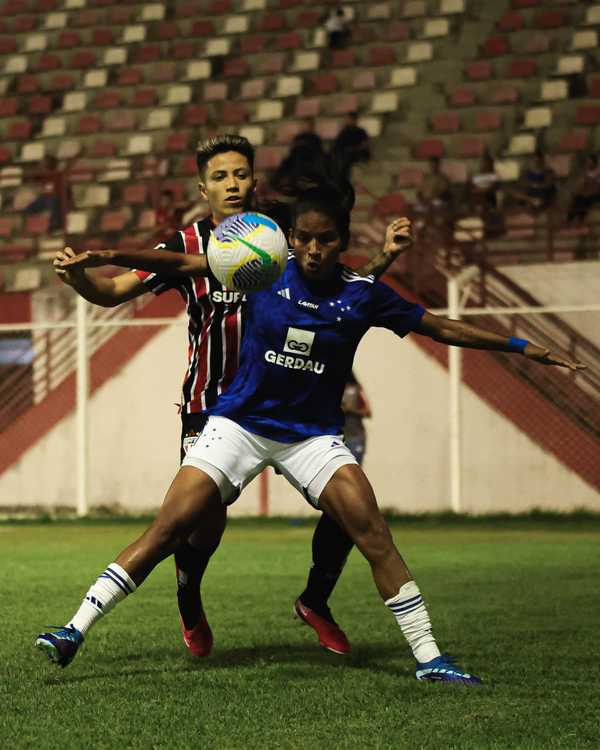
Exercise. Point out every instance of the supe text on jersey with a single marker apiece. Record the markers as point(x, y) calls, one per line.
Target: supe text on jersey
point(294, 363)
point(227, 296)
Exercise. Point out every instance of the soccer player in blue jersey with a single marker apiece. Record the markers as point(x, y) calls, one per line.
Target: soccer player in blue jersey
point(283, 409)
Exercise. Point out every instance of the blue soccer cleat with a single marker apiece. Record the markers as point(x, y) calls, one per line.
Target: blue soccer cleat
point(443, 669)
point(61, 646)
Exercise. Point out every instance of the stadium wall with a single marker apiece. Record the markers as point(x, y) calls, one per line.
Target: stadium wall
point(134, 439)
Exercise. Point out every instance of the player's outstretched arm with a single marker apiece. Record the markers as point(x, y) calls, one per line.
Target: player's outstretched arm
point(156, 261)
point(398, 239)
point(99, 290)
point(458, 333)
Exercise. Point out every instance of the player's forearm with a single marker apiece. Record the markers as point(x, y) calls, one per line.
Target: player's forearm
point(377, 265)
point(95, 289)
point(158, 261)
point(459, 333)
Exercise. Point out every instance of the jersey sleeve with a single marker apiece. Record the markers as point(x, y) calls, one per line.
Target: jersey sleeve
point(159, 283)
point(390, 310)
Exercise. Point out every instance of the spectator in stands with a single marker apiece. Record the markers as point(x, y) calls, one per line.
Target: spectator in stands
point(434, 193)
point(55, 196)
point(586, 191)
point(536, 188)
point(351, 145)
point(306, 147)
point(335, 24)
point(483, 196)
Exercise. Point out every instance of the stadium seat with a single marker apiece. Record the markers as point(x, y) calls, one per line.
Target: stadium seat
point(219, 7)
point(251, 45)
point(479, 70)
point(84, 59)
point(512, 20)
point(203, 29)
point(268, 157)
point(18, 130)
point(586, 39)
point(233, 113)
point(198, 70)
point(77, 222)
point(419, 52)
point(413, 9)
point(287, 131)
point(6, 226)
point(153, 12)
point(158, 119)
point(308, 107)
point(384, 101)
point(268, 110)
point(554, 90)
point(69, 39)
point(217, 47)
point(537, 43)
point(307, 19)
point(5, 155)
point(588, 115)
point(9, 107)
point(147, 53)
point(135, 194)
point(103, 37)
point(270, 64)
point(86, 18)
point(538, 117)
point(133, 34)
point(271, 22)
point(120, 121)
point(184, 51)
point(238, 66)
point(390, 205)
point(53, 127)
point(254, 133)
point(101, 149)
point(48, 61)
point(550, 19)
point(177, 142)
point(194, 116)
point(592, 16)
point(470, 148)
point(37, 224)
point(574, 140)
point(561, 164)
point(178, 94)
point(107, 100)
point(408, 177)
point(89, 124)
point(95, 196)
point(521, 144)
point(364, 80)
point(381, 56)
point(344, 104)
point(461, 97)
point(290, 40)
point(429, 148)
point(35, 43)
point(405, 76)
point(450, 7)
point(8, 46)
point(168, 31)
point(570, 65)
point(504, 94)
point(214, 92)
point(61, 82)
point(40, 105)
point(446, 122)
point(495, 46)
point(144, 98)
point(68, 149)
point(306, 61)
point(96, 79)
point(22, 198)
point(163, 72)
point(288, 86)
point(397, 31)
point(521, 68)
point(343, 58)
point(487, 120)
point(434, 28)
point(378, 11)
point(55, 21)
point(253, 89)
point(455, 171)
point(24, 24)
point(519, 226)
point(139, 144)
point(113, 221)
point(324, 83)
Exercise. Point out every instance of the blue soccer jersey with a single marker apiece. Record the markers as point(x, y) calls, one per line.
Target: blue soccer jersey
point(298, 349)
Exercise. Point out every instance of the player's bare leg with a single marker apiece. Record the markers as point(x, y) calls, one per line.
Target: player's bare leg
point(191, 496)
point(349, 498)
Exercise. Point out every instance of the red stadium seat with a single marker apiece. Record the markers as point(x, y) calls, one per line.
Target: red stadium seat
point(135, 194)
point(429, 148)
point(525, 3)
point(101, 149)
point(68, 40)
point(363, 33)
point(393, 204)
point(177, 142)
point(409, 177)
point(194, 115)
point(308, 107)
point(588, 115)
point(470, 148)
point(8, 46)
point(184, 51)
point(189, 167)
point(343, 58)
point(522, 68)
point(186, 10)
point(308, 19)
point(233, 113)
point(18, 130)
point(203, 29)
point(37, 224)
point(14, 7)
point(28, 84)
point(147, 53)
point(461, 97)
point(253, 89)
point(121, 121)
point(364, 80)
point(551, 19)
point(397, 31)
point(107, 100)
point(268, 157)
point(290, 40)
point(89, 124)
point(49, 62)
point(594, 87)
point(9, 107)
point(537, 43)
point(271, 22)
point(511, 21)
point(270, 64)
point(479, 70)
point(6, 226)
point(113, 221)
point(249, 45)
point(382, 56)
point(103, 37)
point(162, 72)
point(40, 105)
point(219, 7)
point(46, 6)
point(83, 59)
point(167, 31)
point(144, 98)
point(504, 94)
point(494, 46)
point(86, 17)
point(344, 104)
point(574, 140)
point(23, 24)
point(120, 15)
point(5, 155)
point(238, 66)
point(284, 4)
point(129, 77)
point(61, 82)
point(488, 119)
point(324, 83)
point(446, 122)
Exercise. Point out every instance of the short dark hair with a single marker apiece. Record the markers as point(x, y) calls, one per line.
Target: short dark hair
point(220, 144)
point(335, 204)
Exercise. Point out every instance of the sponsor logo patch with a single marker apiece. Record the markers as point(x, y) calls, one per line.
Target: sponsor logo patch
point(299, 342)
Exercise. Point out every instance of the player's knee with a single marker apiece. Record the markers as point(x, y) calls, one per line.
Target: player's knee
point(374, 539)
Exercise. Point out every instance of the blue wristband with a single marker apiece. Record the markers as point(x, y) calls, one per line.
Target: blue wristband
point(517, 345)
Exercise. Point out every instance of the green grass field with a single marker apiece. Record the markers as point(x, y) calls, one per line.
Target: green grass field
point(516, 601)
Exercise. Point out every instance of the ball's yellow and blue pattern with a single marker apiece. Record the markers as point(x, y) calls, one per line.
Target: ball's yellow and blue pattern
point(247, 252)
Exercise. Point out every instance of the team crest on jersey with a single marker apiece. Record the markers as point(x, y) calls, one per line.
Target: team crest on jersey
point(299, 342)
point(189, 441)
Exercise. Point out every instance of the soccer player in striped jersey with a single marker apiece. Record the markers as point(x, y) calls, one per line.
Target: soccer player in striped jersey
point(215, 329)
point(283, 409)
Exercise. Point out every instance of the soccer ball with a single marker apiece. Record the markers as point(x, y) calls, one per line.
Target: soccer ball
point(247, 252)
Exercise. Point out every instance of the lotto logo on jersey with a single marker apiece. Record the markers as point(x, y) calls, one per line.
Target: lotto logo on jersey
point(299, 342)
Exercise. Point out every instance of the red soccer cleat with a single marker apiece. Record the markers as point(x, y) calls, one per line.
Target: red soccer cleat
point(331, 636)
point(199, 640)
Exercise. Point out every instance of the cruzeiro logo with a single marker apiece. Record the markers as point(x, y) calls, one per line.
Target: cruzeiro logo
point(299, 343)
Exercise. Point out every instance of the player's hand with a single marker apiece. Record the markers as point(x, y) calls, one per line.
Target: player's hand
point(398, 237)
point(88, 259)
point(546, 357)
point(67, 274)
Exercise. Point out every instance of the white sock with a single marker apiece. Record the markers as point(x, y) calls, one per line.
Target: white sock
point(111, 586)
point(410, 612)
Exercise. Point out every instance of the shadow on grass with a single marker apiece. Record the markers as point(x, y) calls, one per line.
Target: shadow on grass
point(307, 662)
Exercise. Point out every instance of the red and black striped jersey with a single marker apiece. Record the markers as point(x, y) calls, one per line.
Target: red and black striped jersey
point(215, 321)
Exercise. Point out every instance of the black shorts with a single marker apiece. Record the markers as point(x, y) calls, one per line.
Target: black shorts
point(191, 426)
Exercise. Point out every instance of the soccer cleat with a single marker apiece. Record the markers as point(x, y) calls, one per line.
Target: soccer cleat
point(443, 669)
point(61, 646)
point(331, 636)
point(199, 639)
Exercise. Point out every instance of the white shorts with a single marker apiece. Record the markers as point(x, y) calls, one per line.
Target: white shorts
point(232, 457)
